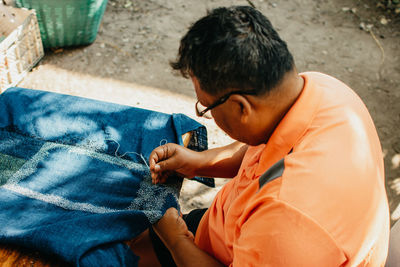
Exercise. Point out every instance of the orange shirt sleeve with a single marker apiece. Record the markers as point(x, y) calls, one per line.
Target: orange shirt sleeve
point(276, 234)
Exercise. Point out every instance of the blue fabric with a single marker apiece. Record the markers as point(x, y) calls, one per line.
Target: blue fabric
point(69, 184)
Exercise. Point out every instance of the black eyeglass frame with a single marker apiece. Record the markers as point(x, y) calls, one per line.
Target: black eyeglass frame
point(222, 100)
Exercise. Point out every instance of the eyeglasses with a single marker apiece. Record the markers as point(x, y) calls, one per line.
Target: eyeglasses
point(203, 111)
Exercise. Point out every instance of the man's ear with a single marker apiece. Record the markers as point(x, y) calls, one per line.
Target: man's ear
point(242, 107)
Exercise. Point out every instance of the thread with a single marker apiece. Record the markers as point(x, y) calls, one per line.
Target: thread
point(163, 142)
point(57, 200)
point(126, 153)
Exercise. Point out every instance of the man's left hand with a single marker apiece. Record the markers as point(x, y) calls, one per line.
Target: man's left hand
point(172, 228)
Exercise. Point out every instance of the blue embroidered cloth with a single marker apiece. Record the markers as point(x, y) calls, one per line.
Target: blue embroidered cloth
point(70, 185)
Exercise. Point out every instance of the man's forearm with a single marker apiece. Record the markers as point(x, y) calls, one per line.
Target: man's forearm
point(186, 253)
point(222, 162)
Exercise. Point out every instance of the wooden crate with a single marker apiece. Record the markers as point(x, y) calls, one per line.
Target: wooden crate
point(21, 47)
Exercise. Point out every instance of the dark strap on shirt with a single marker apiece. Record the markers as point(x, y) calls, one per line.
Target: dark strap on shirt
point(272, 173)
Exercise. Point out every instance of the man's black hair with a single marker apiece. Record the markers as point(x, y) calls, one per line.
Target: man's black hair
point(233, 48)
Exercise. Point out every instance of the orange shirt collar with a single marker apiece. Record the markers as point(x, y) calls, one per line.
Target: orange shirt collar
point(292, 127)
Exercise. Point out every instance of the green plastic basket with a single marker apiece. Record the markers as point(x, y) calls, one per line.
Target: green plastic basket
point(67, 22)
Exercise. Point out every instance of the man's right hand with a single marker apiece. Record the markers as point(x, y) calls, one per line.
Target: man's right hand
point(171, 159)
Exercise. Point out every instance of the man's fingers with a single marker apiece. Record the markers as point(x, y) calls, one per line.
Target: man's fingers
point(170, 214)
point(154, 157)
point(161, 159)
point(165, 161)
point(152, 161)
point(161, 154)
point(161, 177)
point(173, 212)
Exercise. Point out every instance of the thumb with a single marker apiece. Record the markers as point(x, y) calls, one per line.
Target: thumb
point(165, 165)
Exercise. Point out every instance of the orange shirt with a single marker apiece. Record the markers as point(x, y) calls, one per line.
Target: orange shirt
point(322, 201)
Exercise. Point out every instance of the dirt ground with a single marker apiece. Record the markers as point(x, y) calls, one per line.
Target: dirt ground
point(353, 40)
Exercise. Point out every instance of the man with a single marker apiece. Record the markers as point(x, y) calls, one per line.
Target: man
point(308, 186)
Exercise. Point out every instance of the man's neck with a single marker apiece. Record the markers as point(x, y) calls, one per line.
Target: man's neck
point(280, 100)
